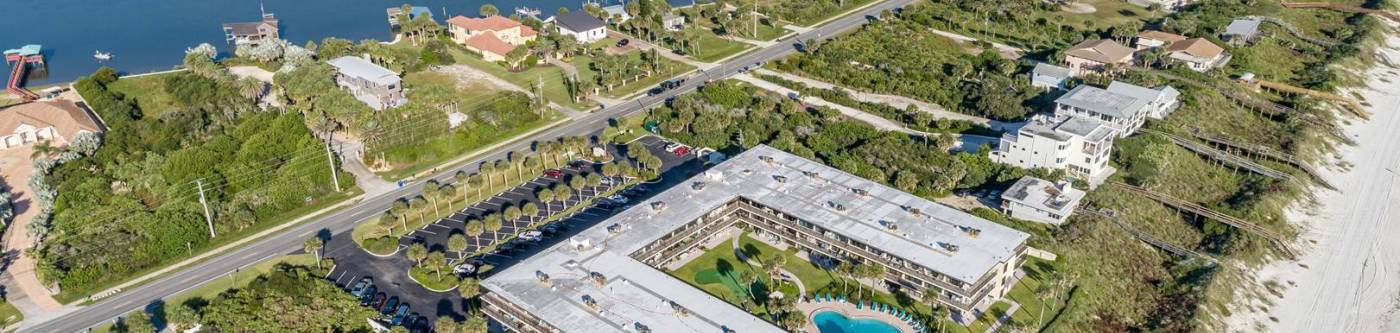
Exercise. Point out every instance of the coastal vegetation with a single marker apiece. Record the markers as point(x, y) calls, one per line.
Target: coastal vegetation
point(949, 73)
point(134, 203)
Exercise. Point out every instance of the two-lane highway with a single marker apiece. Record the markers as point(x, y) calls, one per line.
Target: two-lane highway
point(341, 222)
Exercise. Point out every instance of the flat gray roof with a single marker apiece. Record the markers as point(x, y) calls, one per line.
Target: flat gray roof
point(1102, 101)
point(1061, 127)
point(1242, 27)
point(359, 67)
point(1044, 195)
point(1051, 71)
point(636, 292)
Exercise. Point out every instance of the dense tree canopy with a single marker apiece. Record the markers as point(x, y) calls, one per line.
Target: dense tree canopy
point(288, 299)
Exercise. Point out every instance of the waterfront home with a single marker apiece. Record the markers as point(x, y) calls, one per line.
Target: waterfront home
point(1038, 200)
point(376, 86)
point(239, 33)
point(1152, 39)
point(1077, 144)
point(1167, 5)
point(1198, 54)
point(492, 37)
point(1098, 56)
point(1240, 31)
point(616, 14)
point(673, 22)
point(1049, 76)
point(55, 121)
point(585, 28)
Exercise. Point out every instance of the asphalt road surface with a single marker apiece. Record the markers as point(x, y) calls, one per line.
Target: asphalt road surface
point(290, 241)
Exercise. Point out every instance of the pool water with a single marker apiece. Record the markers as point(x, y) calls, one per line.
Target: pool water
point(835, 322)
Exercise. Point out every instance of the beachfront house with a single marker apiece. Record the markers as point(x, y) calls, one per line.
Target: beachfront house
point(585, 28)
point(1101, 56)
point(1198, 54)
point(1077, 144)
point(55, 121)
point(1123, 113)
point(1153, 39)
point(1167, 5)
point(1049, 76)
point(239, 33)
point(376, 86)
point(1240, 31)
point(492, 37)
point(1038, 200)
point(1161, 101)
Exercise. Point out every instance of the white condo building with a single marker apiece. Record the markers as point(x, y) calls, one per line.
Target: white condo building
point(1124, 107)
point(1077, 144)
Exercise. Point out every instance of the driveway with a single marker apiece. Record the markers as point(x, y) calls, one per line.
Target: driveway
point(22, 288)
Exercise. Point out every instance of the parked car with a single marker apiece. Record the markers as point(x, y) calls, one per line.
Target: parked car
point(400, 314)
point(389, 305)
point(532, 235)
point(421, 325)
point(368, 295)
point(408, 321)
point(464, 268)
point(619, 199)
point(378, 300)
point(670, 147)
point(623, 42)
point(553, 173)
point(359, 288)
point(579, 165)
point(681, 151)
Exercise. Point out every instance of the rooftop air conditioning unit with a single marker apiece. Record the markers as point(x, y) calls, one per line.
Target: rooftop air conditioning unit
point(658, 205)
point(780, 178)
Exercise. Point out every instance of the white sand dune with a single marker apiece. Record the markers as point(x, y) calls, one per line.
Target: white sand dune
point(1349, 281)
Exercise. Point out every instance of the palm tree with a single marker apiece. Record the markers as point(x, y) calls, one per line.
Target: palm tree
point(474, 228)
point(511, 213)
point(493, 222)
point(417, 252)
point(504, 168)
point(562, 193)
point(432, 189)
point(386, 221)
point(546, 196)
point(436, 260)
point(461, 179)
point(488, 10)
point(530, 210)
point(250, 88)
point(577, 184)
point(475, 181)
point(457, 243)
point(469, 288)
point(417, 203)
point(488, 168)
point(42, 149)
point(399, 208)
point(594, 180)
point(844, 269)
point(313, 246)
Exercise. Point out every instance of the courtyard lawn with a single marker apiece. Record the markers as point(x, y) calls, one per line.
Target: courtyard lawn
point(703, 272)
point(717, 272)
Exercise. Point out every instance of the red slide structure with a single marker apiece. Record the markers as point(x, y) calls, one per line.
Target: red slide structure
point(21, 58)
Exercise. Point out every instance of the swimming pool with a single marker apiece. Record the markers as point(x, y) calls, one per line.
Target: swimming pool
point(835, 322)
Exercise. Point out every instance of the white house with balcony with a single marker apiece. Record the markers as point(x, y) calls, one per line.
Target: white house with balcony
point(1077, 144)
point(1123, 106)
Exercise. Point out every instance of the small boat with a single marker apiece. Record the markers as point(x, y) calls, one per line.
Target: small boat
point(102, 56)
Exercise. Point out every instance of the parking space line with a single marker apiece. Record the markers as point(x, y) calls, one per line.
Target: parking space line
point(428, 232)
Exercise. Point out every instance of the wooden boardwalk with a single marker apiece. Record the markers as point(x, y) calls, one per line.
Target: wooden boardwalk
point(1179, 251)
point(1262, 106)
point(1347, 103)
point(1261, 151)
point(1222, 156)
point(1279, 241)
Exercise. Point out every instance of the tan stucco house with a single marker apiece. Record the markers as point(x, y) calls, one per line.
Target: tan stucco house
point(56, 121)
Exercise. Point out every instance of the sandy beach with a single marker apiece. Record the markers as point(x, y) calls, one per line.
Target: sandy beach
point(1348, 279)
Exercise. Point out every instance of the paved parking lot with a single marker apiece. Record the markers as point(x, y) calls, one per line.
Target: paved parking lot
point(390, 273)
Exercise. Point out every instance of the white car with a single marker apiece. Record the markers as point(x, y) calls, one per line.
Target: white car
point(618, 198)
point(532, 235)
point(464, 269)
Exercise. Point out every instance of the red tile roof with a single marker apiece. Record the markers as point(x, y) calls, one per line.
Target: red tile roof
point(493, 23)
point(489, 43)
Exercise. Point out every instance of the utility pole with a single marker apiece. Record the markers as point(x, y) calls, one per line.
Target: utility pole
point(330, 163)
point(208, 219)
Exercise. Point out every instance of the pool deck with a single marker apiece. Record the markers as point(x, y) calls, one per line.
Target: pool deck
point(850, 311)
